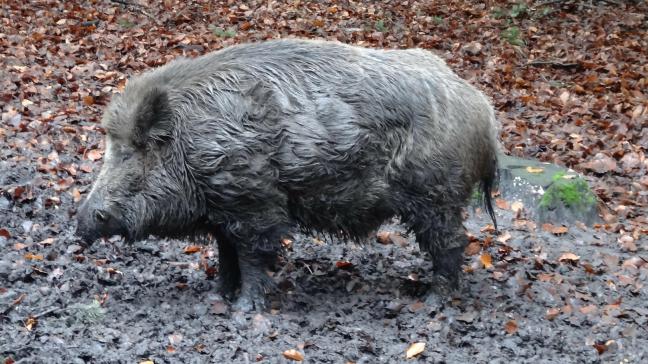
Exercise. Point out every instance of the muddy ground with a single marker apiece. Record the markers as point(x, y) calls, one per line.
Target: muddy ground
point(338, 302)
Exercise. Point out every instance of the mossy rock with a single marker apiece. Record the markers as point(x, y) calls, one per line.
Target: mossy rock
point(549, 192)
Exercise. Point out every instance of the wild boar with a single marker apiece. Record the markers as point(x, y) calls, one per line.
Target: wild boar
point(250, 141)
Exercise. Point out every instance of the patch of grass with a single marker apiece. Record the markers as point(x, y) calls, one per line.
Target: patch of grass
point(498, 13)
point(518, 10)
point(512, 35)
point(380, 26)
point(222, 33)
point(572, 193)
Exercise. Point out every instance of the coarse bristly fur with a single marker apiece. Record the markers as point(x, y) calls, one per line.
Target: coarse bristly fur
point(249, 141)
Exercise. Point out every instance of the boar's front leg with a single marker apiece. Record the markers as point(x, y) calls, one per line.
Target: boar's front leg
point(255, 282)
point(245, 254)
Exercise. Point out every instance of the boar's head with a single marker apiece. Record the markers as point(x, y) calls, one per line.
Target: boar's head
point(145, 185)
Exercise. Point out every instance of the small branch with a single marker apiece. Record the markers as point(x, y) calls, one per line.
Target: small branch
point(47, 312)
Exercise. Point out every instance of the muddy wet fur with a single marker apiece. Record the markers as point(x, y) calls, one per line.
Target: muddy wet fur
point(250, 141)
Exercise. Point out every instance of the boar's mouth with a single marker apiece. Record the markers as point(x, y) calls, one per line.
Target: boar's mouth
point(95, 227)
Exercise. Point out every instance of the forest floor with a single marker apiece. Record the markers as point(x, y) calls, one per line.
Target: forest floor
point(569, 82)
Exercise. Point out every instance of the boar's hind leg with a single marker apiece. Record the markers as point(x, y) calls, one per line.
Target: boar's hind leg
point(439, 232)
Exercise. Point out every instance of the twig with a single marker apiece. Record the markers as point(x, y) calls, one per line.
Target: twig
point(47, 312)
point(557, 64)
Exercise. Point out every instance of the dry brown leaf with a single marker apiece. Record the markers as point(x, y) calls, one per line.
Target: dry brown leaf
point(517, 206)
point(287, 243)
point(19, 246)
point(556, 230)
point(502, 203)
point(486, 260)
point(343, 264)
point(414, 350)
point(4, 233)
point(31, 323)
point(552, 313)
point(88, 100)
point(293, 354)
point(488, 228)
point(30, 256)
point(94, 154)
point(48, 241)
point(191, 249)
point(534, 169)
point(570, 257)
point(511, 327)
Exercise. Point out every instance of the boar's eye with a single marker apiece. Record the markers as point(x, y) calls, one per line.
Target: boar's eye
point(126, 156)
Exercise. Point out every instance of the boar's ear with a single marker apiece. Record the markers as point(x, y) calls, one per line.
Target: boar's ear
point(152, 118)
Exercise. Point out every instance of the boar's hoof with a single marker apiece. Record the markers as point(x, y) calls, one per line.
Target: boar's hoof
point(227, 287)
point(447, 267)
point(250, 302)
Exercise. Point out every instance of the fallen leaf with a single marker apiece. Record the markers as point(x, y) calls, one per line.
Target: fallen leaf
point(414, 350)
point(383, 237)
point(287, 243)
point(534, 169)
point(486, 260)
point(88, 100)
point(552, 313)
point(30, 256)
point(517, 206)
point(191, 249)
point(293, 354)
point(511, 327)
point(556, 230)
point(31, 323)
point(343, 264)
point(48, 241)
point(570, 257)
point(502, 204)
point(488, 228)
point(19, 246)
point(147, 362)
point(93, 154)
point(5, 233)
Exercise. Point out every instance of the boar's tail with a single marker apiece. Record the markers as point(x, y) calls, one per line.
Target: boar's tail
point(488, 183)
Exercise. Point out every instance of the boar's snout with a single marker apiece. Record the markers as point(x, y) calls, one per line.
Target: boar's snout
point(95, 221)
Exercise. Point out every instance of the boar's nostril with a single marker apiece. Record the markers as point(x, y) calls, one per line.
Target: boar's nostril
point(101, 215)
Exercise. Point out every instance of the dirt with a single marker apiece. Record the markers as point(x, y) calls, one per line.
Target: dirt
point(337, 302)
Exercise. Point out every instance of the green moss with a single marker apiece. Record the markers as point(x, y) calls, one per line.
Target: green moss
point(572, 193)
